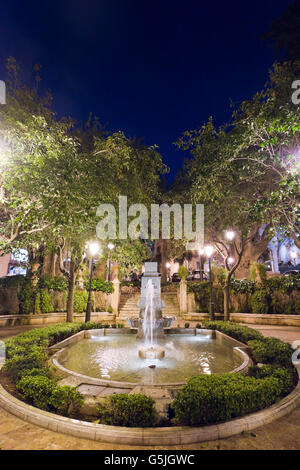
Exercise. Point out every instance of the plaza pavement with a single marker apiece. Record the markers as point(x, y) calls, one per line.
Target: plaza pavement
point(283, 434)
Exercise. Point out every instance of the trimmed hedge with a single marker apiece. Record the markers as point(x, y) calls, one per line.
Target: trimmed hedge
point(44, 393)
point(264, 350)
point(205, 399)
point(238, 332)
point(210, 398)
point(135, 410)
point(26, 365)
point(271, 351)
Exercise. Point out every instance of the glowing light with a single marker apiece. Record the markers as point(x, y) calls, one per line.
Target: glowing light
point(93, 248)
point(209, 249)
point(168, 265)
point(230, 235)
point(230, 260)
point(201, 252)
point(293, 254)
point(110, 246)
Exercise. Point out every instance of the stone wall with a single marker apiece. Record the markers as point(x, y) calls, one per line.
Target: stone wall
point(280, 302)
point(9, 302)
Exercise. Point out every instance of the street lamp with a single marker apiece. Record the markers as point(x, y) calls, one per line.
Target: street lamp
point(209, 249)
point(230, 235)
point(168, 265)
point(230, 260)
point(92, 249)
point(294, 255)
point(110, 246)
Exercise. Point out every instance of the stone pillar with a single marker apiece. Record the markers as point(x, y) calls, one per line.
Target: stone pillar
point(115, 296)
point(183, 296)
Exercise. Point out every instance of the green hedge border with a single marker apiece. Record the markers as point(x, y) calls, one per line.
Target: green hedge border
point(214, 398)
point(203, 400)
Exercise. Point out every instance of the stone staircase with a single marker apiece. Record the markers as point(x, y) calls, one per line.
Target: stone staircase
point(128, 305)
point(171, 308)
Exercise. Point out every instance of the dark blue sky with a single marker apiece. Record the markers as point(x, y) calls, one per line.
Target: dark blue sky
point(151, 68)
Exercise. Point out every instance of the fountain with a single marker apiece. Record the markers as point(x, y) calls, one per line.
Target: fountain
point(151, 323)
point(157, 355)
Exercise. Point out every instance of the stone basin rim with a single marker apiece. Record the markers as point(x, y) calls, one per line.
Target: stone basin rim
point(170, 435)
point(240, 349)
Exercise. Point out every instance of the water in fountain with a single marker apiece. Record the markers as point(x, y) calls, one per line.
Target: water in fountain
point(148, 315)
point(149, 325)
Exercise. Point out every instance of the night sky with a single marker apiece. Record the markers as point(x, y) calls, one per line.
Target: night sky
point(150, 68)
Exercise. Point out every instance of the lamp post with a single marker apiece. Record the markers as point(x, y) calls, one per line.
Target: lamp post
point(93, 249)
point(209, 249)
point(110, 246)
point(168, 265)
point(201, 253)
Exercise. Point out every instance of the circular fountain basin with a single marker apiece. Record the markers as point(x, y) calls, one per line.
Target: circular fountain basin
point(107, 357)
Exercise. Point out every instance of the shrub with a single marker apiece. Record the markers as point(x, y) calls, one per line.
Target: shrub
point(212, 398)
point(260, 301)
point(26, 298)
point(297, 307)
point(56, 283)
point(238, 332)
point(202, 296)
point(221, 276)
point(43, 372)
point(99, 284)
point(128, 410)
point(242, 286)
point(80, 301)
point(35, 358)
point(91, 325)
point(271, 351)
point(12, 281)
point(44, 393)
point(183, 272)
point(186, 325)
point(25, 364)
point(258, 271)
point(282, 374)
point(46, 305)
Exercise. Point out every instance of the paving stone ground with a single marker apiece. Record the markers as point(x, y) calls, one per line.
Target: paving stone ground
point(283, 434)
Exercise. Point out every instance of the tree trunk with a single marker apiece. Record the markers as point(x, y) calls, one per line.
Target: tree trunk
point(53, 264)
point(71, 289)
point(254, 248)
point(226, 292)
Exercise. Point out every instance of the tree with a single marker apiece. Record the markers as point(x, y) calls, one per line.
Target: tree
point(247, 175)
point(56, 176)
point(268, 129)
point(217, 182)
